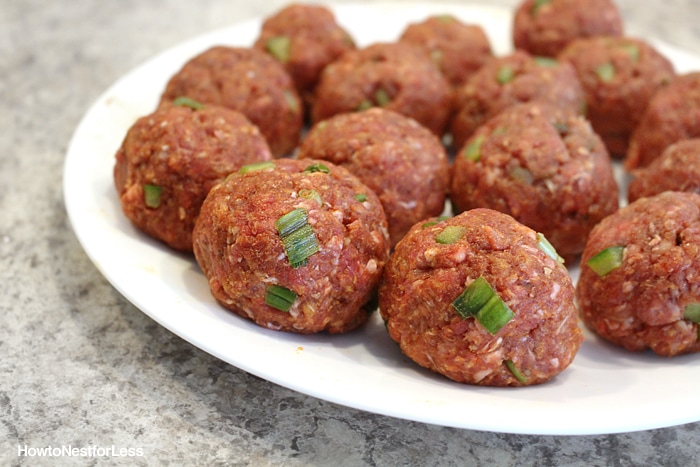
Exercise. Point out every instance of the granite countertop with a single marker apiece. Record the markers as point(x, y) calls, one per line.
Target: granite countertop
point(83, 368)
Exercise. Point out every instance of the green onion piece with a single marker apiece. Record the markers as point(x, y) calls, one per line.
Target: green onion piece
point(434, 222)
point(450, 234)
point(473, 149)
point(505, 75)
point(292, 101)
point(183, 101)
point(298, 237)
point(446, 18)
point(381, 97)
point(692, 312)
point(523, 175)
point(605, 72)
point(483, 303)
point(607, 260)
point(279, 47)
point(361, 197)
point(545, 62)
point(365, 104)
point(544, 245)
point(293, 220)
point(255, 166)
point(539, 4)
point(318, 167)
point(494, 315)
point(311, 194)
point(436, 56)
point(632, 50)
point(279, 297)
point(151, 195)
point(514, 369)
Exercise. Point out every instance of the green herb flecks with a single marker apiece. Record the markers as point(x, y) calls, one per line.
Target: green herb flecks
point(607, 260)
point(152, 195)
point(480, 300)
point(279, 297)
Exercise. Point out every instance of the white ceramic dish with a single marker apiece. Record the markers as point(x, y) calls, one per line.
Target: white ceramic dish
point(605, 390)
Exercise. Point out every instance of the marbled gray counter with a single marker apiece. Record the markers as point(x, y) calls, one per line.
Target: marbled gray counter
point(83, 367)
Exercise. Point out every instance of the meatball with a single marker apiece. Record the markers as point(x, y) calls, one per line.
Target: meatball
point(170, 159)
point(673, 114)
point(249, 81)
point(297, 246)
point(513, 79)
point(456, 48)
point(545, 27)
point(677, 169)
point(399, 159)
point(542, 165)
point(304, 38)
point(481, 299)
point(619, 76)
point(396, 76)
point(639, 285)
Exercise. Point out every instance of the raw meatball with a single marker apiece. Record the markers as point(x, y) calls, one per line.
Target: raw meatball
point(456, 48)
point(526, 332)
point(396, 76)
point(677, 169)
point(542, 165)
point(170, 159)
point(545, 27)
point(619, 76)
point(304, 38)
point(639, 283)
point(249, 81)
point(399, 159)
point(292, 246)
point(673, 114)
point(513, 79)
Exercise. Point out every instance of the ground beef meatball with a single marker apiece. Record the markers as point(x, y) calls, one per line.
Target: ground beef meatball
point(399, 159)
point(396, 76)
point(477, 299)
point(639, 284)
point(542, 165)
point(296, 246)
point(513, 79)
point(677, 169)
point(249, 81)
point(304, 38)
point(545, 27)
point(673, 114)
point(170, 159)
point(456, 48)
point(619, 76)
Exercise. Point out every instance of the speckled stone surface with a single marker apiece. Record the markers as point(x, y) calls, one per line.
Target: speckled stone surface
point(80, 366)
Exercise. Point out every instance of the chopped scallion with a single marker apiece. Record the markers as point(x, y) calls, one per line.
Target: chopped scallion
point(279, 297)
point(632, 50)
point(298, 237)
point(183, 101)
point(515, 371)
point(483, 303)
point(521, 174)
point(539, 4)
point(450, 234)
point(364, 105)
point(311, 194)
point(317, 168)
point(256, 166)
point(607, 260)
point(544, 245)
point(151, 195)
point(291, 221)
point(692, 312)
point(361, 197)
point(545, 62)
point(279, 47)
point(606, 72)
point(381, 97)
point(473, 149)
point(505, 74)
point(291, 100)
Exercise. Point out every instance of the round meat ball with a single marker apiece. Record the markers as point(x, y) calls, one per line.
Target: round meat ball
point(456, 48)
point(293, 247)
point(400, 160)
point(170, 159)
point(512, 79)
point(396, 76)
point(542, 165)
point(639, 286)
point(435, 285)
point(249, 81)
point(673, 114)
point(304, 38)
point(619, 76)
point(545, 27)
point(677, 169)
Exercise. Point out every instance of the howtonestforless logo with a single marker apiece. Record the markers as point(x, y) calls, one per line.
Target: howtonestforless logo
point(71, 451)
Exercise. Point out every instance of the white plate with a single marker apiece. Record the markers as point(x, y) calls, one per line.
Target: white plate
point(605, 390)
